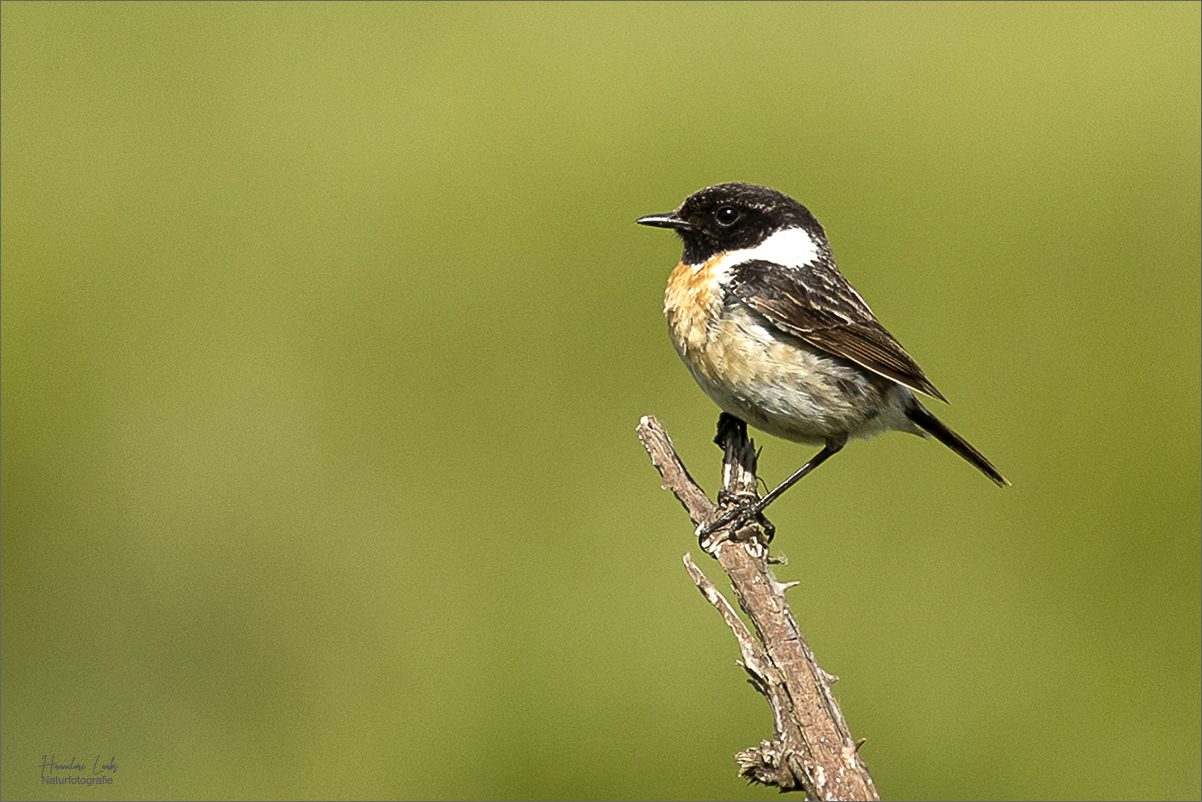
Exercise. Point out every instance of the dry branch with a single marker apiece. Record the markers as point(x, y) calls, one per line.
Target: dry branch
point(811, 749)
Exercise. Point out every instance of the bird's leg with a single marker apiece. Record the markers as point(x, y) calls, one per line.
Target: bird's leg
point(735, 430)
point(831, 448)
point(747, 509)
point(732, 439)
point(728, 424)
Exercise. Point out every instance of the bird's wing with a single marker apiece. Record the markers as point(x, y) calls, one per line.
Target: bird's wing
point(817, 304)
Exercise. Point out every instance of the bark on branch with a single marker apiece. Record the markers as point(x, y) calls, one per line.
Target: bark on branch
point(811, 749)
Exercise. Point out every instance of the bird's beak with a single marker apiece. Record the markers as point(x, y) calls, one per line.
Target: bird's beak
point(669, 220)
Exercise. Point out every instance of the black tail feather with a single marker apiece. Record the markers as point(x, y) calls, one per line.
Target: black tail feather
point(939, 430)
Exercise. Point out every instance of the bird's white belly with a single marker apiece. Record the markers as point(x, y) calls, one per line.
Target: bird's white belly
point(779, 384)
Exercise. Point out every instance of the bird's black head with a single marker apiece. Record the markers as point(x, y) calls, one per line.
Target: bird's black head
point(730, 217)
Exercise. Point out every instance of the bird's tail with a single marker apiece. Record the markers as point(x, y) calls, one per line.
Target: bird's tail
point(920, 415)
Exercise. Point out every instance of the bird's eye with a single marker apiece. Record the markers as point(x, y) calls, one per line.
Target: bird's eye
point(727, 215)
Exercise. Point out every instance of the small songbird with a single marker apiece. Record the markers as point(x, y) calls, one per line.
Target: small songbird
point(779, 339)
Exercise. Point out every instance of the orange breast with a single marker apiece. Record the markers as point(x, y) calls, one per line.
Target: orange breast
point(692, 304)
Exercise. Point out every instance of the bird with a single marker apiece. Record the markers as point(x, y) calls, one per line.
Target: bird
point(777, 337)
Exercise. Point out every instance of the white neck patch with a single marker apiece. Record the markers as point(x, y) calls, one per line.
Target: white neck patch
point(791, 247)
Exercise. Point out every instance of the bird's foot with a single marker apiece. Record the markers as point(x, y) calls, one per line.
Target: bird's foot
point(736, 511)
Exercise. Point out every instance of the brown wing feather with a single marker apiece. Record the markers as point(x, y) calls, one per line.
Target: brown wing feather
point(831, 317)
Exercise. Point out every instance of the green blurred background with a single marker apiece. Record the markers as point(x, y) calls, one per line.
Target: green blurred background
point(326, 329)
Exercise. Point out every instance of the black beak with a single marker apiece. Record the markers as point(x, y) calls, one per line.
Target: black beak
point(669, 220)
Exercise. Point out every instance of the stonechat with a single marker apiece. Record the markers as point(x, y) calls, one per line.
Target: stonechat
point(779, 339)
